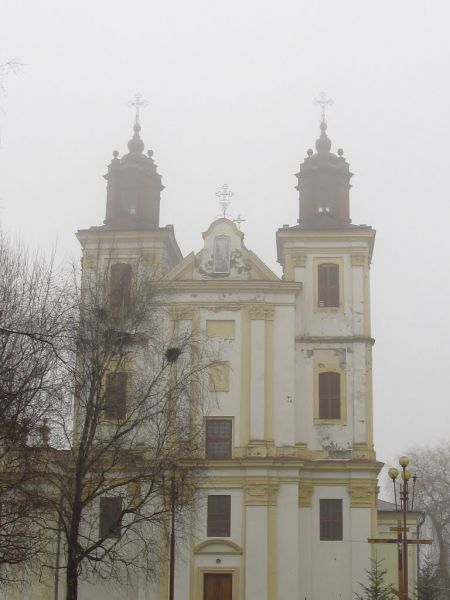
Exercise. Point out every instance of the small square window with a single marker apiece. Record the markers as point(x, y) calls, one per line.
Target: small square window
point(219, 435)
point(110, 517)
point(219, 516)
point(331, 520)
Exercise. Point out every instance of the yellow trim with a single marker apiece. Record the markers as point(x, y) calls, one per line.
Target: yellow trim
point(305, 493)
point(366, 292)
point(221, 328)
point(369, 397)
point(245, 378)
point(261, 492)
point(227, 285)
point(202, 547)
point(334, 260)
point(268, 380)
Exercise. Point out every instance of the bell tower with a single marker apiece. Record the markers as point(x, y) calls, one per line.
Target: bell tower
point(324, 186)
point(134, 188)
point(330, 257)
point(131, 232)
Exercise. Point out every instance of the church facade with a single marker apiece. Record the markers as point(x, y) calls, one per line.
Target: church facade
point(290, 494)
point(288, 499)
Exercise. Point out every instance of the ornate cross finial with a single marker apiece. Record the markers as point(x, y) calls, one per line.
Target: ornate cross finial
point(323, 100)
point(239, 220)
point(138, 103)
point(224, 195)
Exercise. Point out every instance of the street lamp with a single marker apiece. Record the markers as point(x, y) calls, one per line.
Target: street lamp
point(402, 530)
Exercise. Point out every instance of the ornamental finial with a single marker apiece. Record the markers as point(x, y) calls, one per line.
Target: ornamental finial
point(323, 100)
point(224, 195)
point(138, 103)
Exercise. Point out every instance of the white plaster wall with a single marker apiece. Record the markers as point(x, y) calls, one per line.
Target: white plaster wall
point(361, 551)
point(288, 559)
point(331, 561)
point(283, 377)
point(226, 404)
point(357, 276)
point(257, 380)
point(256, 553)
point(359, 387)
point(305, 542)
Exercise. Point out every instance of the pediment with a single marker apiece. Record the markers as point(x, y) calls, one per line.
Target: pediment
point(217, 546)
point(224, 256)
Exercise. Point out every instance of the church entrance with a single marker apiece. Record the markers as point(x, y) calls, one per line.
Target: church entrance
point(217, 586)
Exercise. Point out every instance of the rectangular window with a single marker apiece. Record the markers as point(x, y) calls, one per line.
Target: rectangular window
point(115, 406)
point(328, 284)
point(219, 516)
point(218, 438)
point(329, 395)
point(120, 287)
point(110, 517)
point(219, 377)
point(330, 520)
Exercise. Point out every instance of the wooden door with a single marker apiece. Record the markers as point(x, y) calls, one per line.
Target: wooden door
point(217, 586)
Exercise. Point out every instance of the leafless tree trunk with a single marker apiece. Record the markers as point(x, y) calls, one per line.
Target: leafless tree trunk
point(432, 466)
point(137, 381)
point(33, 313)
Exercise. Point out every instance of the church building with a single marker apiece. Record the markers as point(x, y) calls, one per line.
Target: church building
point(289, 500)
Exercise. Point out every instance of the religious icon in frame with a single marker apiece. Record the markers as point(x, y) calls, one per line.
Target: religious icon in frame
point(222, 254)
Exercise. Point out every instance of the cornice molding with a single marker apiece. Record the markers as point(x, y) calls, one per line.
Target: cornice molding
point(329, 339)
point(230, 285)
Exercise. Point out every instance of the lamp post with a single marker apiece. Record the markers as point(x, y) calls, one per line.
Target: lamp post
point(402, 540)
point(402, 529)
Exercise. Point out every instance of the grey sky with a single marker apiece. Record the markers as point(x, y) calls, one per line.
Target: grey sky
point(230, 87)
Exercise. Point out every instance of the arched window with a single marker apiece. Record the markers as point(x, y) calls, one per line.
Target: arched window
point(222, 254)
point(329, 395)
point(328, 280)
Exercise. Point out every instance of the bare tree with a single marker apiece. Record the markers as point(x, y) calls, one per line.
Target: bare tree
point(33, 313)
point(137, 378)
point(432, 466)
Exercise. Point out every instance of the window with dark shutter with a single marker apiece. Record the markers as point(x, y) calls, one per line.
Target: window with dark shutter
point(218, 438)
point(116, 396)
point(331, 520)
point(328, 280)
point(120, 288)
point(329, 395)
point(110, 517)
point(219, 516)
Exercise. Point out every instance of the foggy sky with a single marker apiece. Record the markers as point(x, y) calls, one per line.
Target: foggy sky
point(230, 87)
